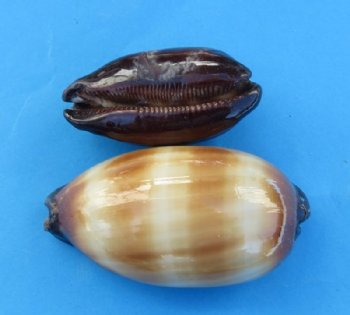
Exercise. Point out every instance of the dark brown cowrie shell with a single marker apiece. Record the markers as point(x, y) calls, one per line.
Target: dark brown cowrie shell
point(162, 97)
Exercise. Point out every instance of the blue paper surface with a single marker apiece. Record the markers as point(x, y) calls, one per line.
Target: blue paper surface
point(299, 53)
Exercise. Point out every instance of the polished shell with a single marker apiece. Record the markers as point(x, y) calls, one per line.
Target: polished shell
point(180, 216)
point(168, 96)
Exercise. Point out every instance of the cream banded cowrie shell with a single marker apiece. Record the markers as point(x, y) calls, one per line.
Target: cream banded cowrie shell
point(181, 216)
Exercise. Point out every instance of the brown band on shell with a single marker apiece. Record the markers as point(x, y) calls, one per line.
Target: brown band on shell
point(131, 244)
point(210, 250)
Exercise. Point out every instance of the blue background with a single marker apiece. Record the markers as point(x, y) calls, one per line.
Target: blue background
point(299, 53)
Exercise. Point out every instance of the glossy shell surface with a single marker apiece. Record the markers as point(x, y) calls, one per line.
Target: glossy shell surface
point(181, 216)
point(162, 97)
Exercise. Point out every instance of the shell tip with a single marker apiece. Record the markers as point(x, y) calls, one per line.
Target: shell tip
point(303, 209)
point(52, 223)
